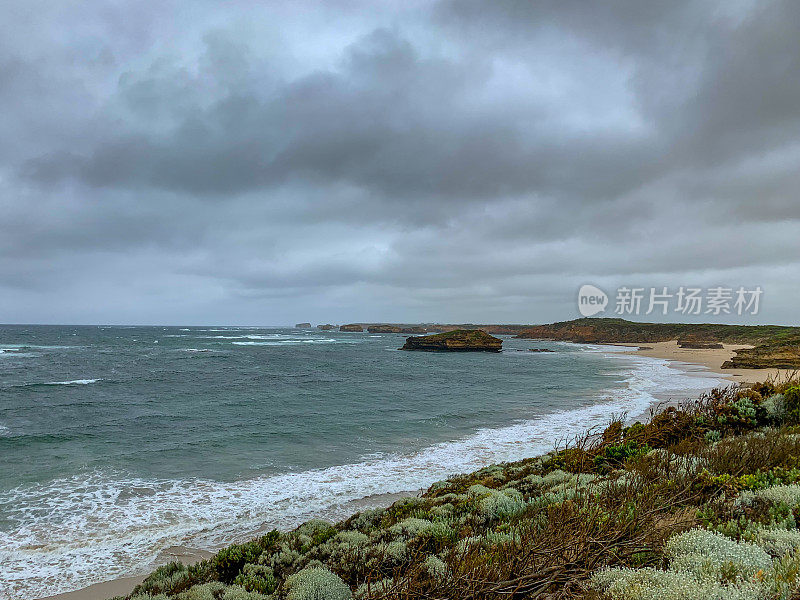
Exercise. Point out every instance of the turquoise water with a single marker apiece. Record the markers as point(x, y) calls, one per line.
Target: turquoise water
point(118, 442)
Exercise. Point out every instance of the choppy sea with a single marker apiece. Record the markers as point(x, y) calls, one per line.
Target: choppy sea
point(119, 442)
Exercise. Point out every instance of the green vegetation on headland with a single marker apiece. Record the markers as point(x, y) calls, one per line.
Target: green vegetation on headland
point(600, 330)
point(458, 340)
point(702, 501)
point(775, 346)
point(780, 352)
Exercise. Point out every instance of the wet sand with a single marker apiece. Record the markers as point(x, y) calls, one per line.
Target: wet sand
point(711, 359)
point(124, 585)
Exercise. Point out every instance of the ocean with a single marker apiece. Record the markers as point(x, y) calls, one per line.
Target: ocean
point(119, 442)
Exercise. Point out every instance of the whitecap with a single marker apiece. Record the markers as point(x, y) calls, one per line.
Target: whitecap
point(73, 382)
point(289, 342)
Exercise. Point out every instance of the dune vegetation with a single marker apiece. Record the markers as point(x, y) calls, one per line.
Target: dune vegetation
point(701, 501)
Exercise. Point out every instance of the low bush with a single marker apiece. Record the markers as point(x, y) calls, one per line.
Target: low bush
point(316, 584)
point(228, 562)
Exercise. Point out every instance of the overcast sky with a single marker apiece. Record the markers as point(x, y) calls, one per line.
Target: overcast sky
point(459, 161)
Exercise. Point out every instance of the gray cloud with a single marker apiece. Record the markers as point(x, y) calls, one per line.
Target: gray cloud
point(456, 161)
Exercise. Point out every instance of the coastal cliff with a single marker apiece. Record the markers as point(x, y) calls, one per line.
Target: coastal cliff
point(460, 340)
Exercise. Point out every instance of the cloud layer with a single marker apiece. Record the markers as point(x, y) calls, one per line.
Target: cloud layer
point(416, 161)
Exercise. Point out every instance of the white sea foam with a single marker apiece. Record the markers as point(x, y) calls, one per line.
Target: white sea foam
point(295, 341)
point(4, 431)
point(72, 532)
point(73, 382)
point(270, 336)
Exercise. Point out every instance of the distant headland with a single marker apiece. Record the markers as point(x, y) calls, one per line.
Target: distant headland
point(770, 346)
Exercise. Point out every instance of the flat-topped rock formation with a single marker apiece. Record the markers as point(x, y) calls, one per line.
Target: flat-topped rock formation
point(384, 329)
point(779, 353)
point(696, 345)
point(303, 326)
point(351, 327)
point(327, 327)
point(459, 340)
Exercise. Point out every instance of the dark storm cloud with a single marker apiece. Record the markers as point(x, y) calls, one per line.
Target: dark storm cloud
point(388, 120)
point(456, 160)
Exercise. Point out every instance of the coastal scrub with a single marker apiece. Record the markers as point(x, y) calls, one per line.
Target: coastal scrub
point(699, 501)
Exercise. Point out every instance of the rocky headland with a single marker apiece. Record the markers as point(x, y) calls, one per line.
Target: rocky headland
point(774, 346)
point(385, 329)
point(459, 340)
point(782, 352)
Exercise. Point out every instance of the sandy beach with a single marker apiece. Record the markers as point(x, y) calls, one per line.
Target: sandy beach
point(123, 586)
point(711, 359)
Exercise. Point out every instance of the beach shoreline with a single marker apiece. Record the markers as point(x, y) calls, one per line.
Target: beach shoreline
point(710, 359)
point(692, 362)
point(122, 586)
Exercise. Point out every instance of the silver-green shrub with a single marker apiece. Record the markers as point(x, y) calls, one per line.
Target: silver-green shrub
point(205, 591)
point(775, 406)
point(786, 494)
point(778, 541)
point(414, 527)
point(502, 504)
point(436, 567)
point(237, 592)
point(368, 519)
point(351, 538)
point(316, 584)
point(704, 554)
point(709, 566)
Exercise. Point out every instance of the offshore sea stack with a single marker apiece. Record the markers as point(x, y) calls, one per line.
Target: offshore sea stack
point(351, 327)
point(459, 340)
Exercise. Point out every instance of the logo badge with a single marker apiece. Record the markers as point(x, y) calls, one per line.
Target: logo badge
point(591, 300)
